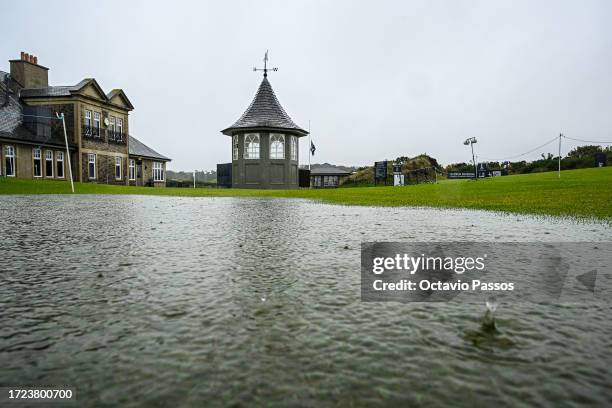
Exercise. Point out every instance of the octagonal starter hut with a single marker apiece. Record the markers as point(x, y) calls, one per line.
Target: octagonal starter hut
point(265, 145)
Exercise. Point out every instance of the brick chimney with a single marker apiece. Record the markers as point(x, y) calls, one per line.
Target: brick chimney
point(28, 73)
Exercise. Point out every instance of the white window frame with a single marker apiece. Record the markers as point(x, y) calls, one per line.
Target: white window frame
point(132, 169)
point(294, 150)
point(158, 170)
point(37, 155)
point(119, 135)
point(96, 122)
point(118, 164)
point(91, 159)
point(111, 127)
point(9, 153)
point(59, 158)
point(47, 161)
point(88, 118)
point(277, 146)
point(252, 146)
point(235, 144)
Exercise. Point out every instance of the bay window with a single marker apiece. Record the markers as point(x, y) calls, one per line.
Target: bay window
point(294, 148)
point(251, 146)
point(235, 147)
point(277, 146)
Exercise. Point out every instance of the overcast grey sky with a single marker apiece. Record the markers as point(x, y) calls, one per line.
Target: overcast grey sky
point(377, 79)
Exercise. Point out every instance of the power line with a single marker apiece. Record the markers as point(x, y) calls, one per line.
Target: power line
point(523, 154)
point(586, 141)
point(29, 116)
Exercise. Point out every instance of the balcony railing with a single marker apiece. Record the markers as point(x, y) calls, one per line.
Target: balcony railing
point(95, 133)
point(92, 132)
point(115, 136)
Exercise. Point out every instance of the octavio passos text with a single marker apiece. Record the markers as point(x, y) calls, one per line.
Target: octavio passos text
point(413, 264)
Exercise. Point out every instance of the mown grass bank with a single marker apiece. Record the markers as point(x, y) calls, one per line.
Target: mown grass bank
point(581, 193)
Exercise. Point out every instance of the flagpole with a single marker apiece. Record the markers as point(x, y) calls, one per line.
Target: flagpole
point(309, 145)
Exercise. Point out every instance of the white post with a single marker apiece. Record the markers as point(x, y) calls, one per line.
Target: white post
point(194, 175)
point(560, 136)
point(61, 116)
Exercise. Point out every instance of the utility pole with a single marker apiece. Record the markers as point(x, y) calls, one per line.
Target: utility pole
point(559, 172)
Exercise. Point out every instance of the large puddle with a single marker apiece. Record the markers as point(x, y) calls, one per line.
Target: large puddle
point(158, 301)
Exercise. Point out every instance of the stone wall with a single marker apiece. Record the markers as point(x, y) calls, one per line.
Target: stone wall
point(105, 169)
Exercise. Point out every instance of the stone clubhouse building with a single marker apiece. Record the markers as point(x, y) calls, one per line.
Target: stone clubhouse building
point(265, 145)
point(97, 126)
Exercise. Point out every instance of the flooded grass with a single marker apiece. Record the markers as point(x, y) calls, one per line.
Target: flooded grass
point(585, 193)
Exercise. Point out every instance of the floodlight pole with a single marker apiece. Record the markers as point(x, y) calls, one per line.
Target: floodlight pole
point(470, 141)
point(61, 116)
point(474, 161)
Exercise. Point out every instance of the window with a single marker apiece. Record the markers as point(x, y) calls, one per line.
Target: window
point(251, 146)
point(37, 162)
point(132, 173)
point(277, 146)
point(158, 171)
point(9, 161)
point(235, 146)
point(48, 163)
point(330, 181)
point(96, 124)
point(118, 168)
point(87, 127)
point(91, 158)
point(59, 160)
point(111, 127)
point(294, 148)
point(119, 129)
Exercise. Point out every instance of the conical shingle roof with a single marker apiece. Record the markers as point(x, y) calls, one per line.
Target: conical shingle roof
point(265, 112)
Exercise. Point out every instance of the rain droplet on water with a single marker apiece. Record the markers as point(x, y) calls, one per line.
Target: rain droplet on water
point(491, 304)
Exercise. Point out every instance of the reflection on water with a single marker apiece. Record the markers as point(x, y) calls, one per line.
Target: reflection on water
point(156, 301)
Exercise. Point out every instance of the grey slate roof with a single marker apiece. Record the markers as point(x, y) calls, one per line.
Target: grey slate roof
point(265, 112)
point(328, 171)
point(53, 90)
point(10, 113)
point(137, 148)
point(13, 128)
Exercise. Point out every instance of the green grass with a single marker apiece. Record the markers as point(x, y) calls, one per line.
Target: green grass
point(585, 193)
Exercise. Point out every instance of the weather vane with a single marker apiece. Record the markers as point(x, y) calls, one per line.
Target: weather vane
point(265, 68)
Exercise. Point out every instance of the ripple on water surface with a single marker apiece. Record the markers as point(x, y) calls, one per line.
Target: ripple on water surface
point(144, 301)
